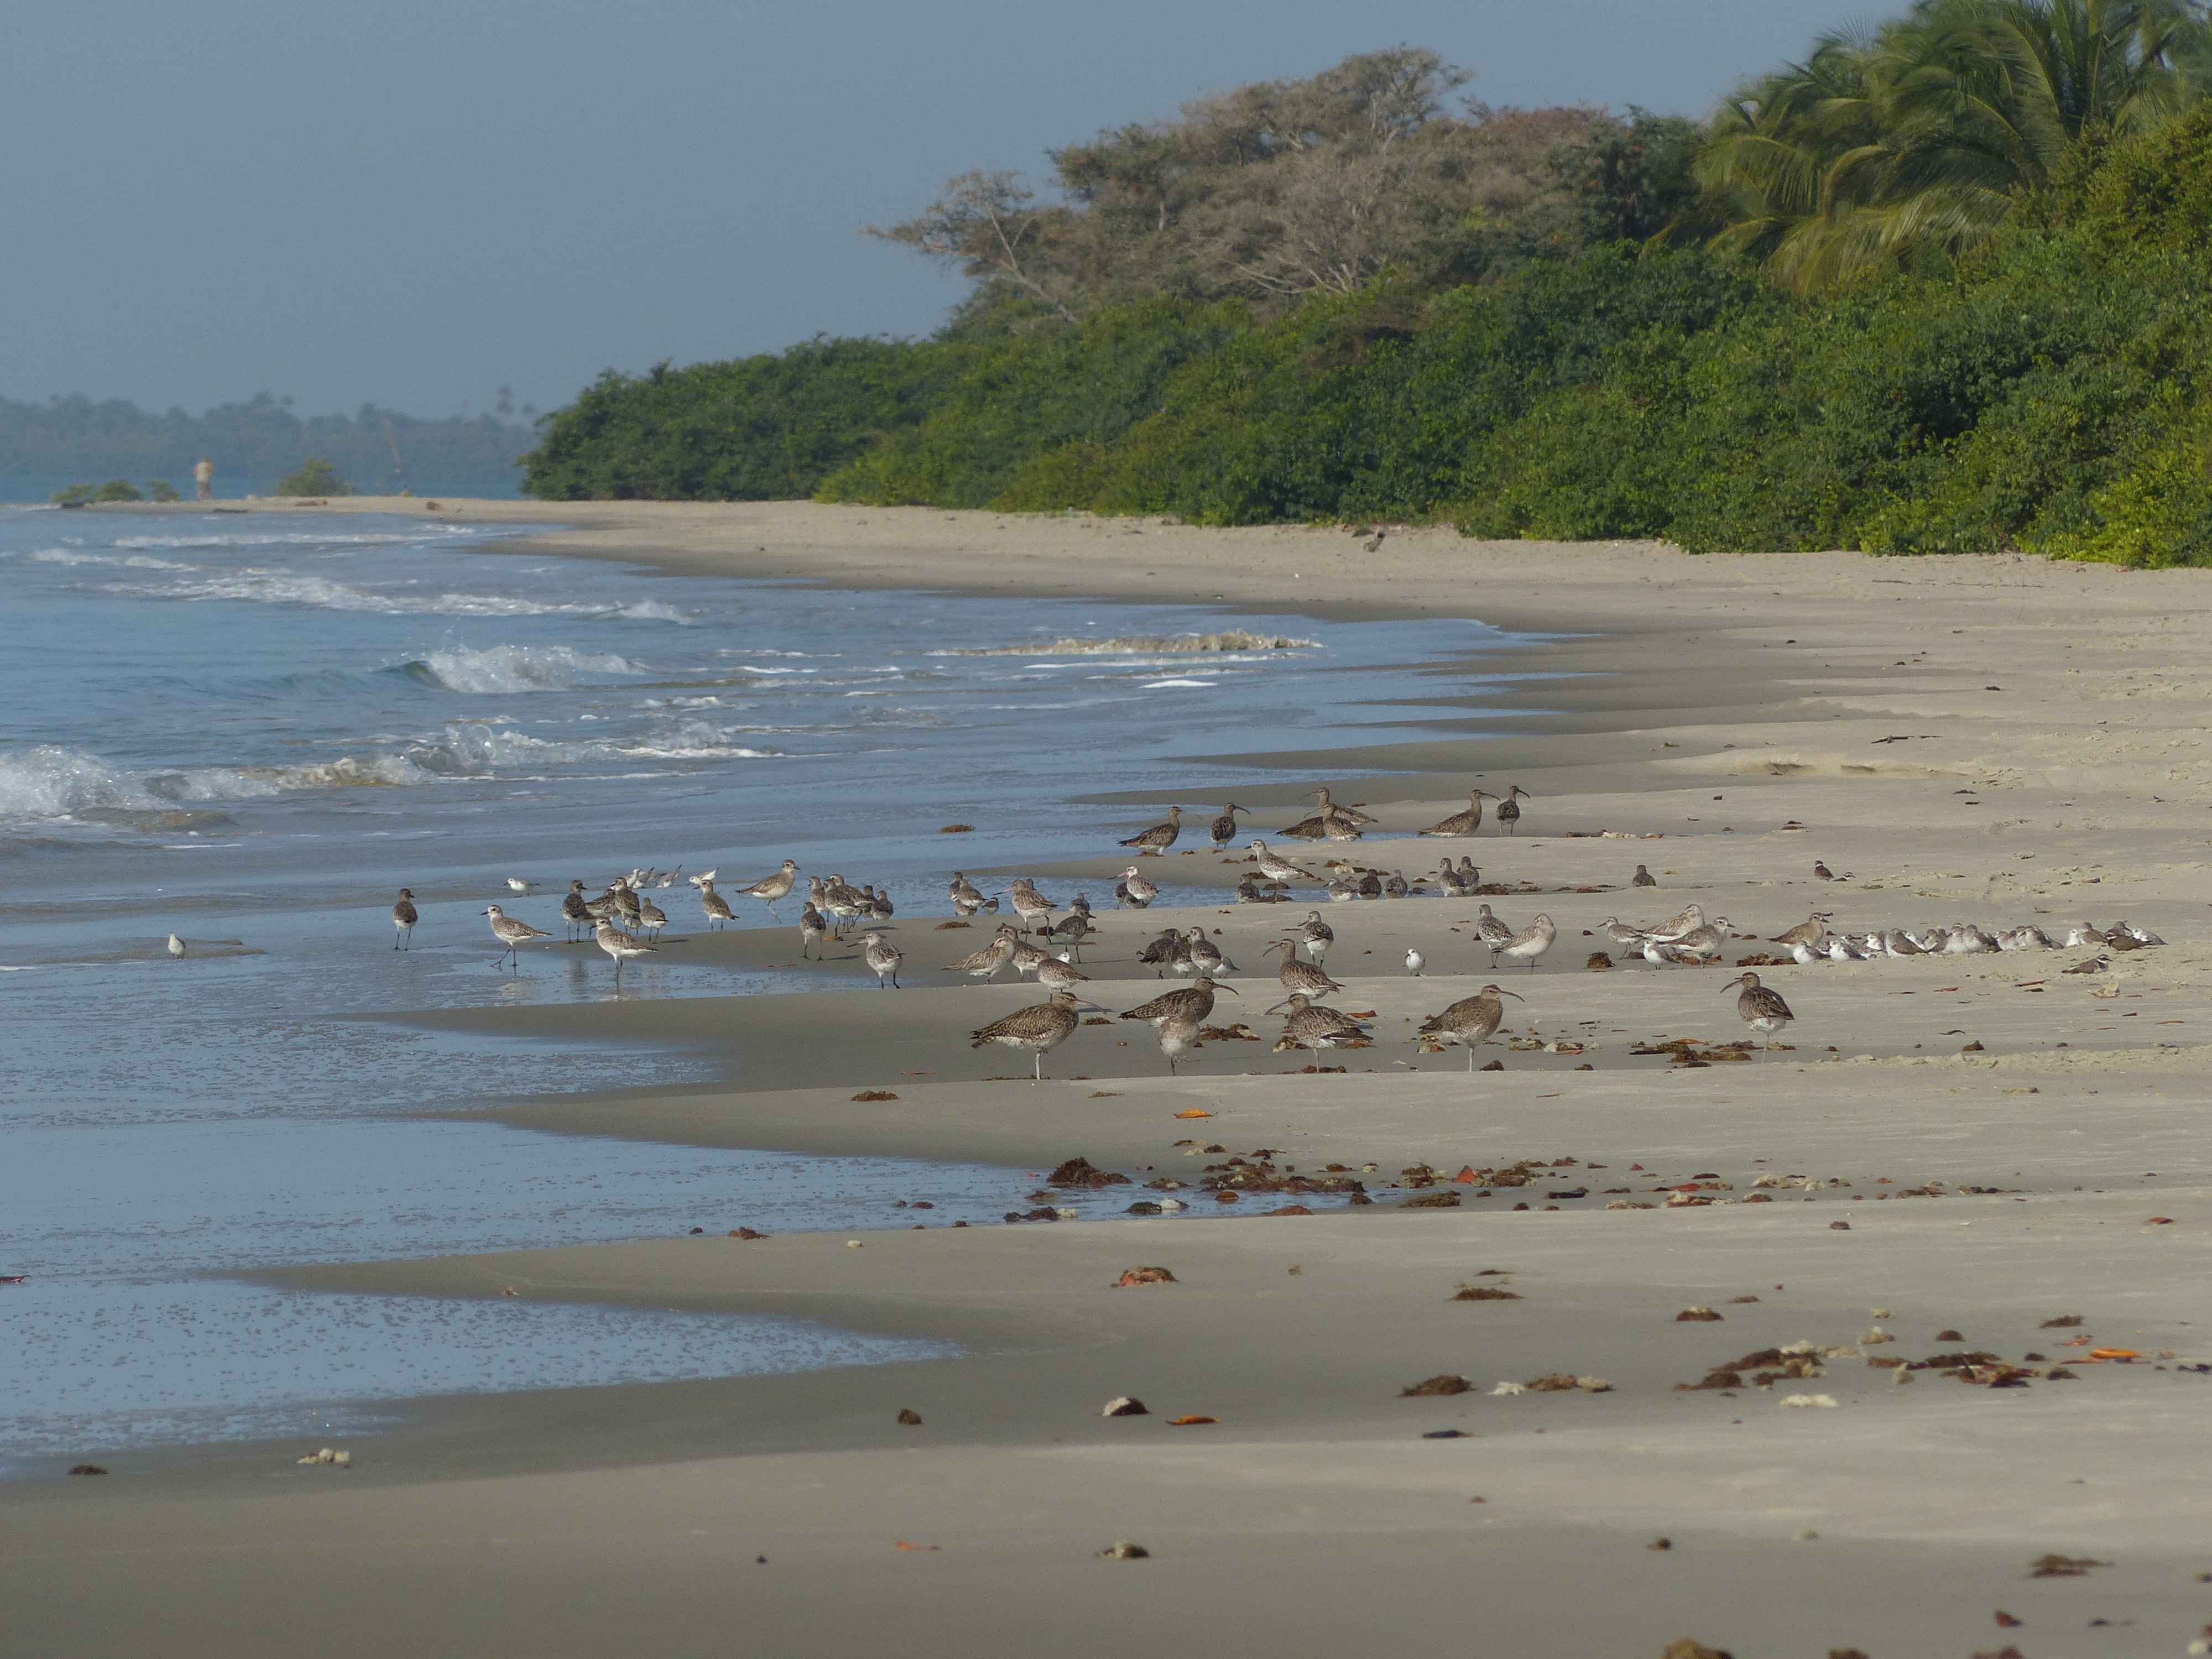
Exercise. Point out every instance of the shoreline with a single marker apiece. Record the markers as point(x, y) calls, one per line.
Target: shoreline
point(1726, 688)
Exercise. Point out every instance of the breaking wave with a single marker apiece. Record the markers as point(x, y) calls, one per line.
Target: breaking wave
point(279, 586)
point(130, 561)
point(50, 782)
point(505, 668)
point(1153, 645)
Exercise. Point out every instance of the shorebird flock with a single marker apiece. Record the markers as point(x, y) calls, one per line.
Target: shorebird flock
point(1044, 939)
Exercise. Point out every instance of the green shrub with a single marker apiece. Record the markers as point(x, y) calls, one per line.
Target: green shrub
point(314, 476)
point(115, 489)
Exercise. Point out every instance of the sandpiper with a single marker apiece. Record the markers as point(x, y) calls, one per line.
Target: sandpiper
point(1032, 906)
point(1039, 1029)
point(404, 917)
point(1821, 870)
point(651, 916)
point(1133, 890)
point(1058, 974)
point(1150, 843)
point(1490, 931)
point(1308, 1025)
point(1206, 957)
point(1315, 935)
point(1415, 962)
point(1531, 942)
point(1470, 1021)
point(812, 926)
point(1295, 976)
point(1194, 1001)
point(1466, 822)
point(176, 945)
point(768, 889)
point(517, 885)
point(1761, 1009)
point(621, 946)
point(716, 907)
point(1508, 809)
point(1276, 867)
point(1224, 829)
point(1809, 930)
point(512, 933)
point(883, 959)
point(574, 909)
point(986, 963)
point(1449, 882)
point(1177, 1038)
point(1642, 877)
point(1164, 952)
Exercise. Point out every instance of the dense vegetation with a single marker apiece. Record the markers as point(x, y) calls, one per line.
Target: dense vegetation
point(47, 447)
point(1942, 288)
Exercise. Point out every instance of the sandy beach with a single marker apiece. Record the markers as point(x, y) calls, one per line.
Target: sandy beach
point(1979, 1155)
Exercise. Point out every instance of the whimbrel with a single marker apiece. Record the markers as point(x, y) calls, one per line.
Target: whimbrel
point(1642, 877)
point(1761, 1009)
point(1508, 809)
point(1276, 867)
point(1150, 843)
point(883, 959)
point(404, 917)
point(1296, 975)
point(1463, 824)
point(1531, 942)
point(1038, 1028)
point(512, 933)
point(1471, 1021)
point(1223, 828)
point(1330, 823)
point(1308, 1025)
point(621, 946)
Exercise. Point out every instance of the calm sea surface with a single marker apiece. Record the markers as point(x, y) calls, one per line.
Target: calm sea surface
point(252, 730)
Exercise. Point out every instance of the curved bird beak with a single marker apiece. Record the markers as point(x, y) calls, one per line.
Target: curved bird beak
point(1232, 990)
point(1279, 1006)
point(1515, 995)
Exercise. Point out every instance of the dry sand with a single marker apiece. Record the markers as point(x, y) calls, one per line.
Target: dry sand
point(2052, 767)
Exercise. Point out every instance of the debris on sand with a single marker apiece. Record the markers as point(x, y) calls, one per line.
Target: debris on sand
point(1080, 1172)
point(1143, 1276)
point(957, 829)
point(1809, 1400)
point(2063, 1566)
point(1443, 1383)
point(744, 1232)
point(908, 1418)
point(1190, 1421)
point(1484, 1293)
point(1683, 1647)
point(1123, 1405)
point(874, 1094)
point(1696, 1315)
point(916, 1549)
point(87, 1468)
point(1564, 1382)
point(2064, 1322)
point(1126, 1550)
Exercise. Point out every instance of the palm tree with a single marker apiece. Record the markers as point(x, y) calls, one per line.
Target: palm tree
point(1926, 133)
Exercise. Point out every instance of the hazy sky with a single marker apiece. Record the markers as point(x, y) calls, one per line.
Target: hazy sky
point(414, 201)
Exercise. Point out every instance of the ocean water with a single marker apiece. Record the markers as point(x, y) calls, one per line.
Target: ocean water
point(253, 731)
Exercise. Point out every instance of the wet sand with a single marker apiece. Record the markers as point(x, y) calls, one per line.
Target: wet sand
point(2051, 767)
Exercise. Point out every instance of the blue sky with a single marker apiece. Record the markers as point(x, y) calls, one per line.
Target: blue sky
point(416, 201)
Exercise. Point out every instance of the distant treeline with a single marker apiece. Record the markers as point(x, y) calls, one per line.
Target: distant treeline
point(1941, 288)
point(46, 447)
